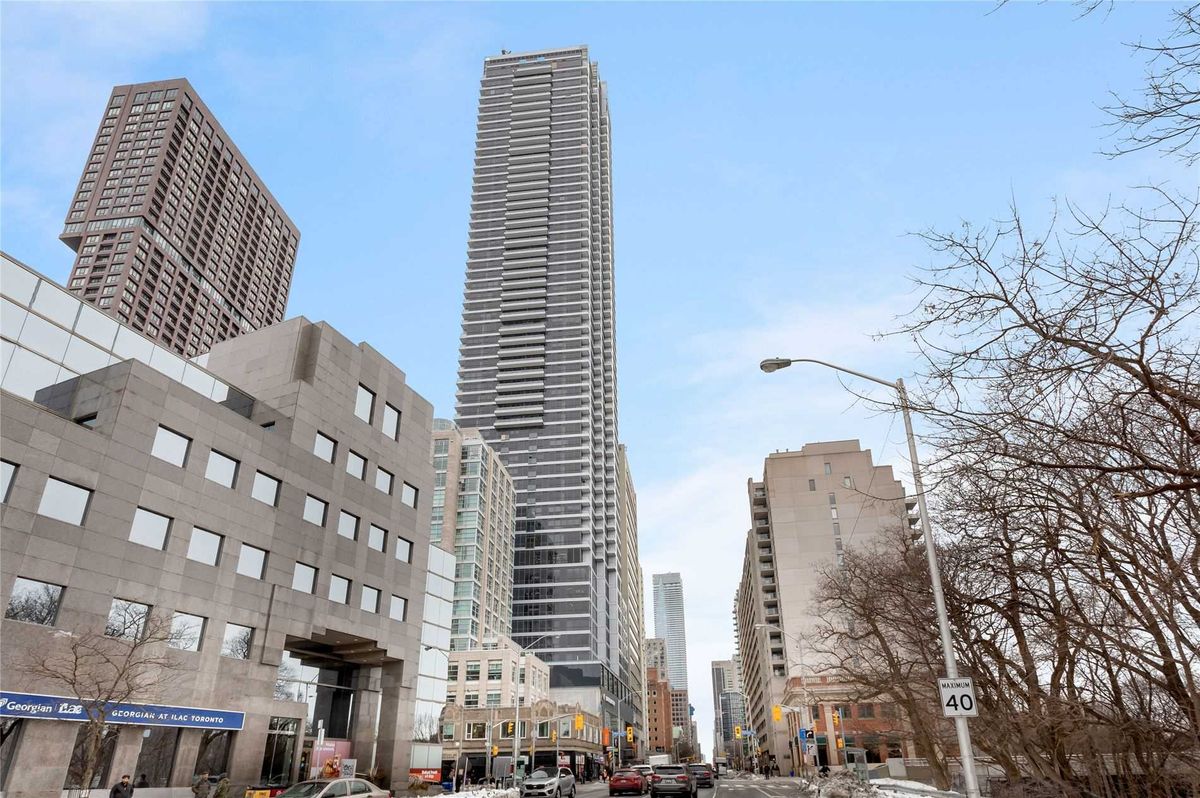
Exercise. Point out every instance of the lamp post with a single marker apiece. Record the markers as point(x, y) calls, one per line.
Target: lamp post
point(961, 729)
point(521, 650)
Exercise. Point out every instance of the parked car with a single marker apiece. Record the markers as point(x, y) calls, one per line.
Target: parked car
point(702, 773)
point(672, 780)
point(543, 783)
point(327, 788)
point(627, 780)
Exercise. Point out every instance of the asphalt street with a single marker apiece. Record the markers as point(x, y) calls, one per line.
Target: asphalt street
point(726, 788)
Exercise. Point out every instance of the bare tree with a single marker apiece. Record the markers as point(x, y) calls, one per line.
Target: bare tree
point(128, 661)
point(1168, 114)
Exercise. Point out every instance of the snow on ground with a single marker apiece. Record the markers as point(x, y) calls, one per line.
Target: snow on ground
point(908, 788)
point(511, 792)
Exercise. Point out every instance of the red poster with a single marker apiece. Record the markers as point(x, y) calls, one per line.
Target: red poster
point(431, 775)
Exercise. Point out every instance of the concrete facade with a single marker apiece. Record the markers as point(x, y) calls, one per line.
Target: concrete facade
point(810, 505)
point(489, 676)
point(473, 519)
point(175, 234)
point(102, 433)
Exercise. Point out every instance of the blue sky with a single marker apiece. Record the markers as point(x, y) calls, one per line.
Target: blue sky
point(770, 163)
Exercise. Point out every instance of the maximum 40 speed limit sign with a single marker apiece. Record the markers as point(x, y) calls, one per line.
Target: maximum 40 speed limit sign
point(958, 697)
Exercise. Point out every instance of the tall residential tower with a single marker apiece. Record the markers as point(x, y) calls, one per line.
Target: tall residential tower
point(537, 364)
point(669, 625)
point(174, 233)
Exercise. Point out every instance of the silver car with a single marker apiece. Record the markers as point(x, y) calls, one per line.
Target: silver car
point(334, 788)
point(543, 783)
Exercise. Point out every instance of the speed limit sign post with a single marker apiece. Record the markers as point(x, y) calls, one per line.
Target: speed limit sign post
point(958, 697)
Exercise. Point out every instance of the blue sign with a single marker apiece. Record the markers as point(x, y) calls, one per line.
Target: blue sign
point(56, 707)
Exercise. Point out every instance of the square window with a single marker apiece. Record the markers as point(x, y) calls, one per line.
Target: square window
point(221, 469)
point(170, 446)
point(325, 447)
point(369, 600)
point(204, 546)
point(149, 528)
point(408, 494)
point(403, 549)
point(364, 403)
point(391, 422)
point(252, 561)
point(304, 578)
point(339, 589)
point(376, 538)
point(356, 465)
point(266, 488)
point(399, 611)
point(7, 472)
point(186, 631)
point(127, 619)
point(348, 525)
point(236, 642)
point(34, 602)
point(64, 501)
point(315, 510)
point(384, 480)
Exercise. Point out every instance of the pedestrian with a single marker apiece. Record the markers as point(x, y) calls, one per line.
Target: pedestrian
point(122, 789)
point(200, 786)
point(223, 788)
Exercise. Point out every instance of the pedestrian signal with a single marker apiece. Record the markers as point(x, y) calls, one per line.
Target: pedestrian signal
point(777, 713)
point(737, 732)
point(628, 734)
point(579, 721)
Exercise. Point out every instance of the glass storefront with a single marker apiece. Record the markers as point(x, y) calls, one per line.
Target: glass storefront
point(84, 738)
point(156, 757)
point(280, 752)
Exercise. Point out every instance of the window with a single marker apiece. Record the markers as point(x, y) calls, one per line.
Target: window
point(847, 482)
point(7, 472)
point(221, 469)
point(493, 698)
point(369, 600)
point(403, 549)
point(391, 422)
point(376, 538)
point(126, 619)
point(832, 498)
point(471, 700)
point(64, 501)
point(79, 757)
point(304, 578)
point(170, 446)
point(356, 465)
point(364, 404)
point(251, 561)
point(399, 611)
point(266, 488)
point(866, 710)
point(214, 752)
point(495, 670)
point(348, 525)
point(339, 589)
point(384, 480)
point(204, 546)
point(408, 494)
point(315, 510)
point(812, 484)
point(828, 469)
point(149, 528)
point(325, 447)
point(186, 631)
point(34, 602)
point(236, 642)
point(473, 671)
point(156, 756)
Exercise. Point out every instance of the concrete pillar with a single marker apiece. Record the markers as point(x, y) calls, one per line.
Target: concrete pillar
point(395, 724)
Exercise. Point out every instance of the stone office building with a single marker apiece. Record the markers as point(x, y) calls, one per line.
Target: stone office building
point(278, 527)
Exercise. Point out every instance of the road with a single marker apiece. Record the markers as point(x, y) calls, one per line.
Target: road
point(726, 788)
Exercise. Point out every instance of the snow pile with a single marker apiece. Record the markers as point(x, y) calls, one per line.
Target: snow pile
point(511, 792)
point(909, 788)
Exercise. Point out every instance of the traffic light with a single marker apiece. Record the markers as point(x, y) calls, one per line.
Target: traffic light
point(841, 743)
point(553, 735)
point(737, 732)
point(628, 734)
point(777, 713)
point(579, 722)
point(509, 726)
point(837, 719)
point(495, 750)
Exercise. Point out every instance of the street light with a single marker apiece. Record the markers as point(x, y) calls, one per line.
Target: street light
point(773, 364)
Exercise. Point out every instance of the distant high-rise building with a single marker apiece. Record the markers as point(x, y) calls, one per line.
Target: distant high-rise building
point(538, 371)
point(174, 232)
point(810, 505)
point(669, 625)
point(724, 679)
point(656, 654)
point(472, 481)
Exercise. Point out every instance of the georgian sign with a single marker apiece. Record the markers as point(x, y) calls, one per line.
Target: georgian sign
point(57, 707)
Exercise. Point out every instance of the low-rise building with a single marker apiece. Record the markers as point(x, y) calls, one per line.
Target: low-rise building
point(658, 711)
point(497, 674)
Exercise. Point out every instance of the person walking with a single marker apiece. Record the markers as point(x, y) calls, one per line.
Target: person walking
point(223, 788)
point(122, 789)
point(200, 786)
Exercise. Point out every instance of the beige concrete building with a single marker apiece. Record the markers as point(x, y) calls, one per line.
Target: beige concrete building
point(809, 507)
point(488, 676)
point(478, 528)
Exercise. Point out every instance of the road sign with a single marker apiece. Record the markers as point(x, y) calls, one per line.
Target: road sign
point(958, 697)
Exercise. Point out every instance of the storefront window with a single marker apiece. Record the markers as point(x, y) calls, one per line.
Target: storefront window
point(327, 691)
point(279, 752)
point(10, 735)
point(156, 757)
point(79, 756)
point(213, 756)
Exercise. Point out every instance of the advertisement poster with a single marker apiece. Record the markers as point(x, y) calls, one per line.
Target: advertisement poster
point(430, 775)
point(348, 768)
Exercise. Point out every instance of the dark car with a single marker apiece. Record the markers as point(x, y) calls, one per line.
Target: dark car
point(702, 773)
point(672, 780)
point(627, 780)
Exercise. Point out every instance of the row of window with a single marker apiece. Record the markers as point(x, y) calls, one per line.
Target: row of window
point(325, 448)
